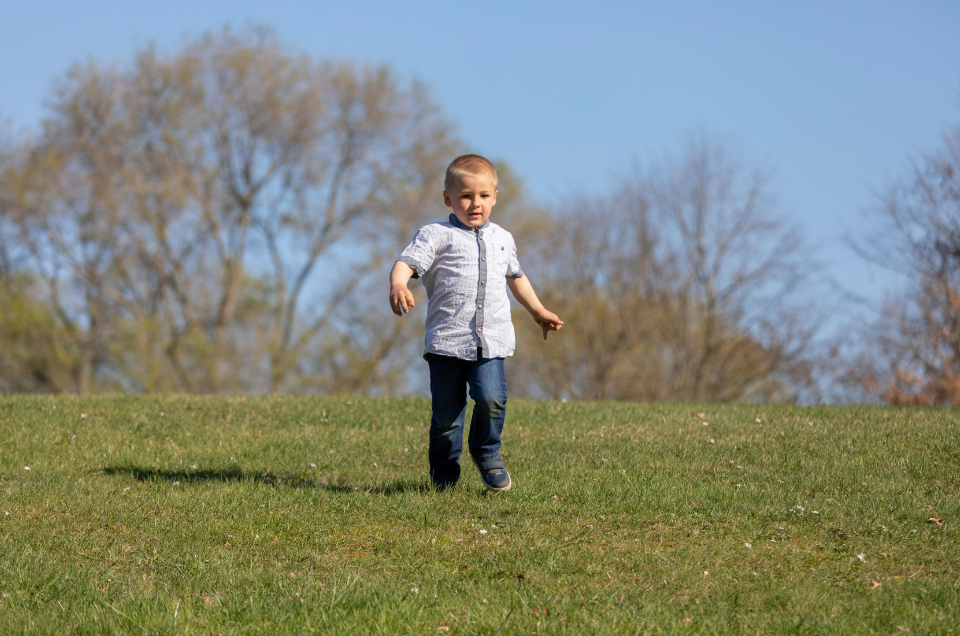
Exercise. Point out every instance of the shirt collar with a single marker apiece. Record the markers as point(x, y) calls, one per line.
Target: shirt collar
point(455, 222)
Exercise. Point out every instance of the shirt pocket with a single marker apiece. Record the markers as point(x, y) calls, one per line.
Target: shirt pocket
point(501, 259)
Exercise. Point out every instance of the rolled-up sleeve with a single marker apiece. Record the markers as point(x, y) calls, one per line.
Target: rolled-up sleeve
point(421, 252)
point(513, 263)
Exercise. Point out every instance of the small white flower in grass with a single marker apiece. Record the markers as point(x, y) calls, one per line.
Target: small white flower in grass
point(312, 465)
point(26, 468)
point(6, 513)
point(712, 441)
point(816, 512)
point(415, 590)
point(862, 557)
point(604, 459)
point(482, 531)
point(758, 420)
point(748, 545)
point(493, 526)
point(706, 424)
point(193, 466)
point(83, 415)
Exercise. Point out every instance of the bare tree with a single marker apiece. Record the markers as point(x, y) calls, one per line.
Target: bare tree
point(683, 284)
point(911, 353)
point(63, 226)
point(213, 211)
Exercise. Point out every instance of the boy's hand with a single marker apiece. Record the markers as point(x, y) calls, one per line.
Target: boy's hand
point(523, 291)
point(548, 321)
point(401, 299)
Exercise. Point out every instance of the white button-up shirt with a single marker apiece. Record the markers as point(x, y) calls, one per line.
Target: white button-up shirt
point(464, 271)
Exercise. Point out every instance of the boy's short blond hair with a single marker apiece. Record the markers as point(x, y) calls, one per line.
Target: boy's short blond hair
point(469, 166)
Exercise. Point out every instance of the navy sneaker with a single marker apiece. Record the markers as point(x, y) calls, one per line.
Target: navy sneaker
point(494, 474)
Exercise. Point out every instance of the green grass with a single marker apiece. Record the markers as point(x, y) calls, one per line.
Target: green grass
point(189, 515)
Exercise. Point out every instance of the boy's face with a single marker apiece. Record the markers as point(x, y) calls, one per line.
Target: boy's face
point(472, 199)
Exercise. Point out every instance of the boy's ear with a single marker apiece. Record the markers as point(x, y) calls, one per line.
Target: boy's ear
point(447, 201)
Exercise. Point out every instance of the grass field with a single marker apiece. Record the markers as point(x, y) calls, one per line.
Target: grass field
point(187, 515)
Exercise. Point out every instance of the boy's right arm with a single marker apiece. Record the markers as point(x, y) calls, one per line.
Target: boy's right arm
point(401, 299)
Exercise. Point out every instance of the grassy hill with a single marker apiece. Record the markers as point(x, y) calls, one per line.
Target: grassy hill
point(193, 515)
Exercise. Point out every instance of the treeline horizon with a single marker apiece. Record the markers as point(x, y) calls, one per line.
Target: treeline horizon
point(221, 219)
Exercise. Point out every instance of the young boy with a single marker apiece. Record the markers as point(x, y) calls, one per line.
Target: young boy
point(463, 265)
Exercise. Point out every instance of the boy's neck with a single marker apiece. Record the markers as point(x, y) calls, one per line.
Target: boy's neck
point(455, 222)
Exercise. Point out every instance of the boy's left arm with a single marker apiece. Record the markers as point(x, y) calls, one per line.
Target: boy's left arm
point(523, 291)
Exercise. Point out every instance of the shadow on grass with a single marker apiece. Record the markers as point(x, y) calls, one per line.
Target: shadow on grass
point(397, 487)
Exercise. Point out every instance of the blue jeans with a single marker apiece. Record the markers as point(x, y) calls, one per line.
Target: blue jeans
point(449, 378)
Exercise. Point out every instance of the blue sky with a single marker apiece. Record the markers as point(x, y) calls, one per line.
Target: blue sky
point(832, 97)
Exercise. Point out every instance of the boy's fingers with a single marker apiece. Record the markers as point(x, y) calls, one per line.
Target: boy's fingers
point(546, 326)
point(396, 304)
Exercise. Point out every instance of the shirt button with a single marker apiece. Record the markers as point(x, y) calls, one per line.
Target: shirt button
point(480, 305)
point(483, 258)
point(482, 283)
point(479, 328)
